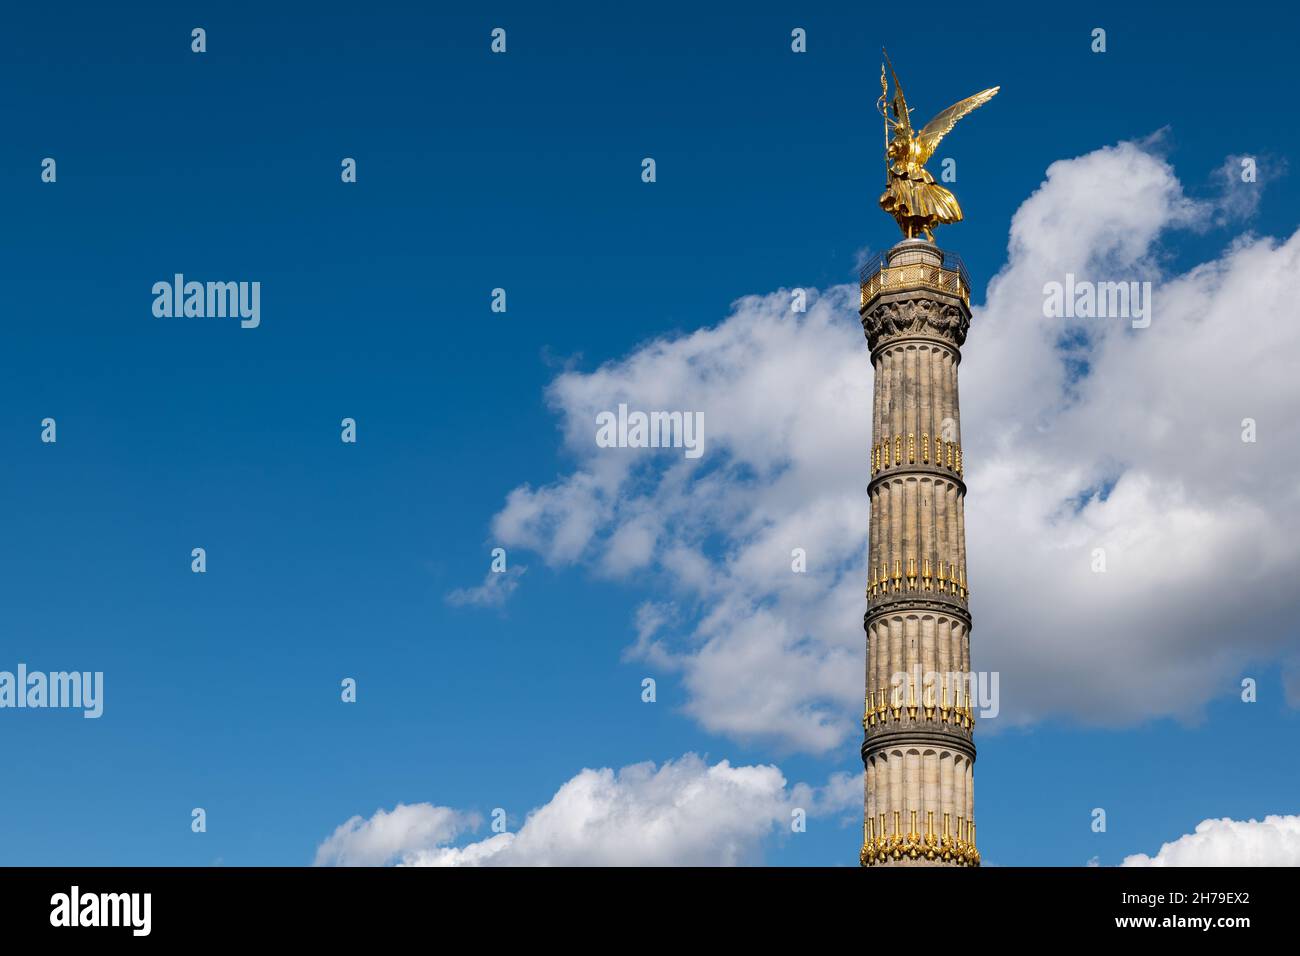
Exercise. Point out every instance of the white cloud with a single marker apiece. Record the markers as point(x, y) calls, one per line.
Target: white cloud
point(774, 478)
point(389, 835)
point(496, 588)
point(683, 813)
point(1240, 198)
point(1273, 842)
point(1198, 527)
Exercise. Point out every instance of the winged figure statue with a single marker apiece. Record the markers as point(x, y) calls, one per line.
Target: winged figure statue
point(913, 198)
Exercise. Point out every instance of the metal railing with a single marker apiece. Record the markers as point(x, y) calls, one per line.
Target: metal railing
point(878, 276)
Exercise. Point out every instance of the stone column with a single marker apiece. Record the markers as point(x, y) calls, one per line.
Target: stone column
point(918, 723)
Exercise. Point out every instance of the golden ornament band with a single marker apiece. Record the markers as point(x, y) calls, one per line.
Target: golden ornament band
point(887, 454)
point(953, 582)
point(879, 846)
point(887, 705)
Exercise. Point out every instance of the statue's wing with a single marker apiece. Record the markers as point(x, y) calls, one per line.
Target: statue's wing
point(937, 128)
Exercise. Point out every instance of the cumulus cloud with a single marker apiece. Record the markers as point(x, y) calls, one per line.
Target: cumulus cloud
point(1275, 841)
point(1078, 435)
point(777, 475)
point(682, 813)
point(1141, 457)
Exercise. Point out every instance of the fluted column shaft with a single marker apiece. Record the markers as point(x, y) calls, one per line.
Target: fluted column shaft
point(918, 750)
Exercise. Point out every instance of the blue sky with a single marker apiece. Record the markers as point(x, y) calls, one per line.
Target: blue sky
point(475, 171)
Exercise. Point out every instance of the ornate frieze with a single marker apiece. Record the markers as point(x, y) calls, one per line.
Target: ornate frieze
point(914, 315)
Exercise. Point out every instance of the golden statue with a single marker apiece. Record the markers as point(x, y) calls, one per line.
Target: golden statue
point(913, 198)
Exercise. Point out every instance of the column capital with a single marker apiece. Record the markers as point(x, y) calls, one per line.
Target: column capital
point(915, 314)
